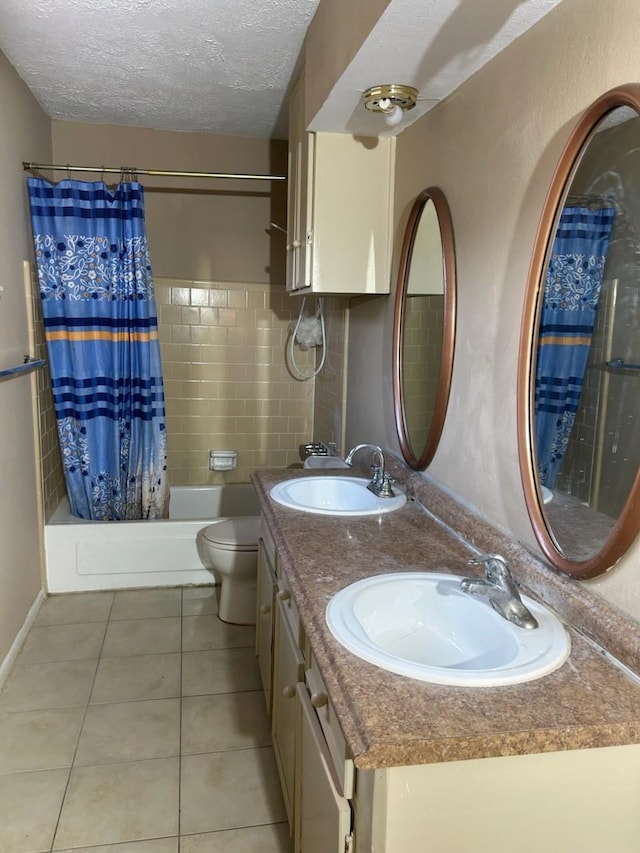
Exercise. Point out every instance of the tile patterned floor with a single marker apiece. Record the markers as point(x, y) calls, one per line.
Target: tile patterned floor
point(134, 722)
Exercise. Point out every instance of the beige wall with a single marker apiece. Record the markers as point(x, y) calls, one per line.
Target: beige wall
point(335, 34)
point(26, 135)
point(202, 230)
point(492, 147)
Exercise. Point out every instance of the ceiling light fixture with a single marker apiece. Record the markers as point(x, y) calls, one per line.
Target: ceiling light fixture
point(392, 100)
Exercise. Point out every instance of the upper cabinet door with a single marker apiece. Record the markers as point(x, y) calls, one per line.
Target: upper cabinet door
point(340, 209)
point(299, 211)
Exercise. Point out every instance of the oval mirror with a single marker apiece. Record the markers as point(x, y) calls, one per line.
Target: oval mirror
point(579, 371)
point(424, 328)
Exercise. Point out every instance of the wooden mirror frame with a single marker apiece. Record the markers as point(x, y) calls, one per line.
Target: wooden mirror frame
point(435, 195)
point(628, 523)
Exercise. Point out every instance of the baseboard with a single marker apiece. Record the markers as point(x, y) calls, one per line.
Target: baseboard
point(12, 654)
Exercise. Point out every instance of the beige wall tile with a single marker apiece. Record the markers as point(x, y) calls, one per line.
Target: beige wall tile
point(198, 296)
point(180, 295)
point(218, 298)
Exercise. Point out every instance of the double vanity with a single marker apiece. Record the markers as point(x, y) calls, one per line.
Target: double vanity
point(372, 760)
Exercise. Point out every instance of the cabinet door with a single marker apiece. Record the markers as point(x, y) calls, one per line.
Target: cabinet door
point(340, 209)
point(305, 207)
point(352, 211)
point(293, 188)
point(299, 195)
point(264, 619)
point(323, 817)
point(288, 670)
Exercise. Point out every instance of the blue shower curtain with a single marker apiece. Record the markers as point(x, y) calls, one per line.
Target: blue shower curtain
point(571, 294)
point(102, 340)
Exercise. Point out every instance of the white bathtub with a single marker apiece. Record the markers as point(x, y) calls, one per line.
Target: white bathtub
point(90, 555)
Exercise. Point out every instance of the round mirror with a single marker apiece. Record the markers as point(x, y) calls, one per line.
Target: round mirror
point(424, 328)
point(579, 372)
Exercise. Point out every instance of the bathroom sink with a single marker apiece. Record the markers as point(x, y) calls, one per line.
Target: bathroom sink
point(423, 626)
point(547, 495)
point(334, 496)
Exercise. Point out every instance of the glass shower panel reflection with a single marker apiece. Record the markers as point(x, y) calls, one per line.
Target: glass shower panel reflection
point(619, 417)
point(604, 450)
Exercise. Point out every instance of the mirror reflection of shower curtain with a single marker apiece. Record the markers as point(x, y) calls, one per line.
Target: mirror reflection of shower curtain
point(102, 340)
point(571, 293)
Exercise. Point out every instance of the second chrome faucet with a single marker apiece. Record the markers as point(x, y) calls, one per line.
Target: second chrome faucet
point(500, 588)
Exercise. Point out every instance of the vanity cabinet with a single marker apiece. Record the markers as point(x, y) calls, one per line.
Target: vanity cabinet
point(570, 800)
point(340, 209)
point(580, 801)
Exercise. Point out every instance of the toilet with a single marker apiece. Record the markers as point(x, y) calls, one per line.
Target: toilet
point(231, 551)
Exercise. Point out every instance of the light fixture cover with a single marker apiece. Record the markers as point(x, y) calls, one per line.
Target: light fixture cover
point(393, 116)
point(386, 97)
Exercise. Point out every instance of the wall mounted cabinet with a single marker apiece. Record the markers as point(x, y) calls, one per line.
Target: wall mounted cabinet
point(340, 209)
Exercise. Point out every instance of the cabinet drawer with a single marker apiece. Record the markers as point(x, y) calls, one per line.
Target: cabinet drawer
point(342, 764)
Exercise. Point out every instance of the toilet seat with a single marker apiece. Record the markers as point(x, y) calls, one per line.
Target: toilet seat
point(234, 534)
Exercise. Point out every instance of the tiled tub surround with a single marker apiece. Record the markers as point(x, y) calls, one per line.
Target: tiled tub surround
point(227, 385)
point(391, 721)
point(329, 404)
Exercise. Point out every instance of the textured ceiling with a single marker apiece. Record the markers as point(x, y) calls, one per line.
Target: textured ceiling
point(223, 66)
point(203, 65)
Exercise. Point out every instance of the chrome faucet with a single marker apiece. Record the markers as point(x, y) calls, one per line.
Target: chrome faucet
point(380, 483)
point(500, 588)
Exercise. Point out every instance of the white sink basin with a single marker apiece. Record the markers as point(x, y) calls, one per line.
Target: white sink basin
point(324, 462)
point(334, 496)
point(423, 626)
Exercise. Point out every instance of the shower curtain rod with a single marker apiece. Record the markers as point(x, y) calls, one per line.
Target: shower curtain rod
point(162, 173)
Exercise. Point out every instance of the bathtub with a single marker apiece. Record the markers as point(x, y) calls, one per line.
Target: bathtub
point(83, 555)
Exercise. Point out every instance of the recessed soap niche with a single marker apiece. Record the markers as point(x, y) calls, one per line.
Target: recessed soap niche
point(223, 460)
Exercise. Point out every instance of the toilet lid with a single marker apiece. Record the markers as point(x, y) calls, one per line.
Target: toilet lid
point(234, 534)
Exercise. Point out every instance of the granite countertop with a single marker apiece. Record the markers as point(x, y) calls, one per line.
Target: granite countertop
point(389, 720)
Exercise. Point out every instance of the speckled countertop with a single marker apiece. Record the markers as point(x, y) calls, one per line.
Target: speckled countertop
point(389, 720)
